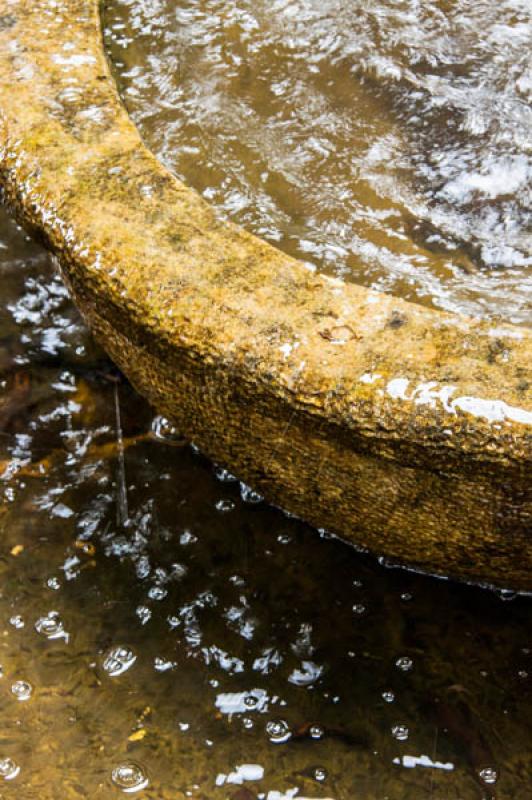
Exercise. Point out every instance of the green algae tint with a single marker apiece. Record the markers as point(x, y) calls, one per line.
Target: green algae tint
point(167, 634)
point(387, 143)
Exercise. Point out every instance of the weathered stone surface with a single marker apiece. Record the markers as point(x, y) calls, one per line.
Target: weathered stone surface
point(404, 430)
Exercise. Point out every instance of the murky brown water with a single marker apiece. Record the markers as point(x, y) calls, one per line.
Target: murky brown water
point(160, 628)
point(386, 142)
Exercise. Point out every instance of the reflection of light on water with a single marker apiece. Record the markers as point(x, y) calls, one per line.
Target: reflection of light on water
point(245, 772)
point(203, 603)
point(378, 143)
point(423, 761)
point(240, 702)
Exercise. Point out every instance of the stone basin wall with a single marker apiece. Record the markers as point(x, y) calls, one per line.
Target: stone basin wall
point(402, 429)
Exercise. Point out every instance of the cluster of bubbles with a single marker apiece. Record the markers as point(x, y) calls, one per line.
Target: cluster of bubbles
point(118, 660)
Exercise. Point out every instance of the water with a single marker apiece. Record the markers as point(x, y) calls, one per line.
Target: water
point(195, 650)
point(385, 142)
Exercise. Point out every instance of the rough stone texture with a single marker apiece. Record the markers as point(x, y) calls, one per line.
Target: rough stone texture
point(404, 430)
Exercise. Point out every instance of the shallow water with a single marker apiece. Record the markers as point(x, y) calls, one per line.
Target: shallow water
point(386, 142)
point(163, 629)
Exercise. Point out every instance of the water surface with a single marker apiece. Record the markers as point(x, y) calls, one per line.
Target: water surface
point(162, 629)
point(385, 142)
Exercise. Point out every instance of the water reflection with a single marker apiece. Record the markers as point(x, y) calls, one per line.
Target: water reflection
point(386, 142)
point(207, 646)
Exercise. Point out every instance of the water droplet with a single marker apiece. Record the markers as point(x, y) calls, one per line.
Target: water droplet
point(388, 697)
point(8, 769)
point(225, 506)
point(249, 495)
point(278, 731)
point(22, 690)
point(118, 660)
point(316, 732)
point(404, 663)
point(400, 732)
point(359, 609)
point(488, 775)
point(130, 777)
point(406, 597)
point(320, 774)
point(224, 475)
point(17, 621)
point(506, 594)
point(51, 626)
point(247, 722)
point(163, 429)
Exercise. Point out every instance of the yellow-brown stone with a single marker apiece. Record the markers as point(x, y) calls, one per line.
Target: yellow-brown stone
point(403, 429)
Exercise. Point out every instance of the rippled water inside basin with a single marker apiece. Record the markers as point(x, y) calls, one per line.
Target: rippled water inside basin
point(385, 142)
point(163, 630)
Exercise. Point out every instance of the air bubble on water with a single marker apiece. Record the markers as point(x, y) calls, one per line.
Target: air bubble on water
point(51, 626)
point(406, 597)
point(157, 593)
point(224, 475)
point(320, 774)
point(316, 732)
point(8, 769)
point(404, 663)
point(53, 584)
point(250, 701)
point(359, 609)
point(163, 664)
point(249, 495)
point(143, 613)
point(388, 697)
point(400, 732)
point(187, 537)
point(278, 731)
point(130, 777)
point(118, 660)
point(224, 506)
point(17, 621)
point(22, 690)
point(247, 723)
point(488, 775)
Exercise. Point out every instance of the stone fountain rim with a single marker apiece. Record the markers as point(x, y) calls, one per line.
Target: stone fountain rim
point(152, 267)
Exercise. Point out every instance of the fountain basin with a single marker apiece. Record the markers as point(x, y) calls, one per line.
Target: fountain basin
point(402, 429)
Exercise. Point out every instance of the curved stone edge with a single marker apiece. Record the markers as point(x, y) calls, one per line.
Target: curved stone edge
point(403, 429)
